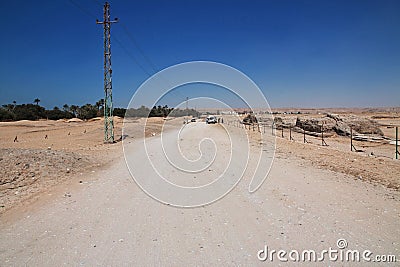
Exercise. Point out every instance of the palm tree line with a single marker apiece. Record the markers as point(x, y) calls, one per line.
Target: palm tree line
point(33, 111)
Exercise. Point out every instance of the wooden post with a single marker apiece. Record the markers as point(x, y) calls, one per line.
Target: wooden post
point(304, 135)
point(272, 128)
point(351, 138)
point(322, 136)
point(397, 146)
point(282, 130)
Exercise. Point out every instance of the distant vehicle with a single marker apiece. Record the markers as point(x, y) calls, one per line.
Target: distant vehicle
point(211, 119)
point(193, 120)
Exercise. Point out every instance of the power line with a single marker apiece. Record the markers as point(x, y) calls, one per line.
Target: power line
point(126, 50)
point(132, 38)
point(92, 16)
point(131, 55)
point(84, 10)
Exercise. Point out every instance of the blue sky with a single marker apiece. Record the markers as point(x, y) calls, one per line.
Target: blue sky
point(300, 53)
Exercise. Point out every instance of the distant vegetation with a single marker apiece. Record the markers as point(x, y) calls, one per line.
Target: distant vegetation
point(159, 111)
point(14, 112)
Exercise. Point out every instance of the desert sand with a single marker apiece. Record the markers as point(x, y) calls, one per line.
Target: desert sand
point(48, 153)
point(95, 214)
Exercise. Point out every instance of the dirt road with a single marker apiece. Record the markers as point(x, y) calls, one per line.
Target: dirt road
point(105, 218)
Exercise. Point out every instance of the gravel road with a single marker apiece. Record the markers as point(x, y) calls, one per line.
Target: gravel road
point(105, 219)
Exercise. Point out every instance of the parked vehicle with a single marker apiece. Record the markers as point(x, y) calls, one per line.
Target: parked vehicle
point(211, 120)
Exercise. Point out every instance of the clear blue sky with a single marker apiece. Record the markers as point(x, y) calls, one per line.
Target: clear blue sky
point(300, 53)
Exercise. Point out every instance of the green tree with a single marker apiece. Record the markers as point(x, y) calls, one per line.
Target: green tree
point(66, 107)
point(6, 115)
point(100, 106)
point(37, 100)
point(74, 109)
point(29, 112)
point(87, 111)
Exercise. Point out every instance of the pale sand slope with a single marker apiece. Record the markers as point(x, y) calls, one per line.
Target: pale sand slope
point(108, 221)
point(48, 153)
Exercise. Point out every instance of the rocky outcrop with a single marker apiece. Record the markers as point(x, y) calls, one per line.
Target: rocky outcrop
point(341, 125)
point(250, 119)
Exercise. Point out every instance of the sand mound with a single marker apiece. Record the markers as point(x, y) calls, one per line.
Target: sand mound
point(96, 119)
point(75, 120)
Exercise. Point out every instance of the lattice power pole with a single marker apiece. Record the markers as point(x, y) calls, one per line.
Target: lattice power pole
point(108, 103)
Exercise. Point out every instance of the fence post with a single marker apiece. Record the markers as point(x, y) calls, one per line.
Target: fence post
point(272, 128)
point(304, 135)
point(282, 130)
point(397, 146)
point(322, 135)
point(351, 138)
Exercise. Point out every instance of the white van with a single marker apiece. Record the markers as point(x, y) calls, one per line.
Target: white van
point(211, 119)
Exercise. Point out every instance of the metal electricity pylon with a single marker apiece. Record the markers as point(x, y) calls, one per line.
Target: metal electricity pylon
point(108, 103)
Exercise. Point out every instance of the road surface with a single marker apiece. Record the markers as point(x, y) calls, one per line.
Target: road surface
point(107, 220)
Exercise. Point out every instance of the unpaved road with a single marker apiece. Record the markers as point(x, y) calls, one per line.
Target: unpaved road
point(107, 220)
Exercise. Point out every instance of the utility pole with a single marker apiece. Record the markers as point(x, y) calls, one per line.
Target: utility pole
point(108, 103)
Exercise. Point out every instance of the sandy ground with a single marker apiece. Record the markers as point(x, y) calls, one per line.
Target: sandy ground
point(374, 162)
point(50, 152)
point(313, 196)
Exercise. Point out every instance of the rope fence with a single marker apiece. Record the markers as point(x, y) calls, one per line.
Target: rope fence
point(262, 128)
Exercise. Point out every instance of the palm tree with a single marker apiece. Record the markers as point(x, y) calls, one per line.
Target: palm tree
point(74, 109)
point(37, 100)
point(99, 106)
point(66, 107)
point(9, 107)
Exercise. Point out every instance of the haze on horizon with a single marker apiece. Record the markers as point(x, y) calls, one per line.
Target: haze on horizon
point(299, 53)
